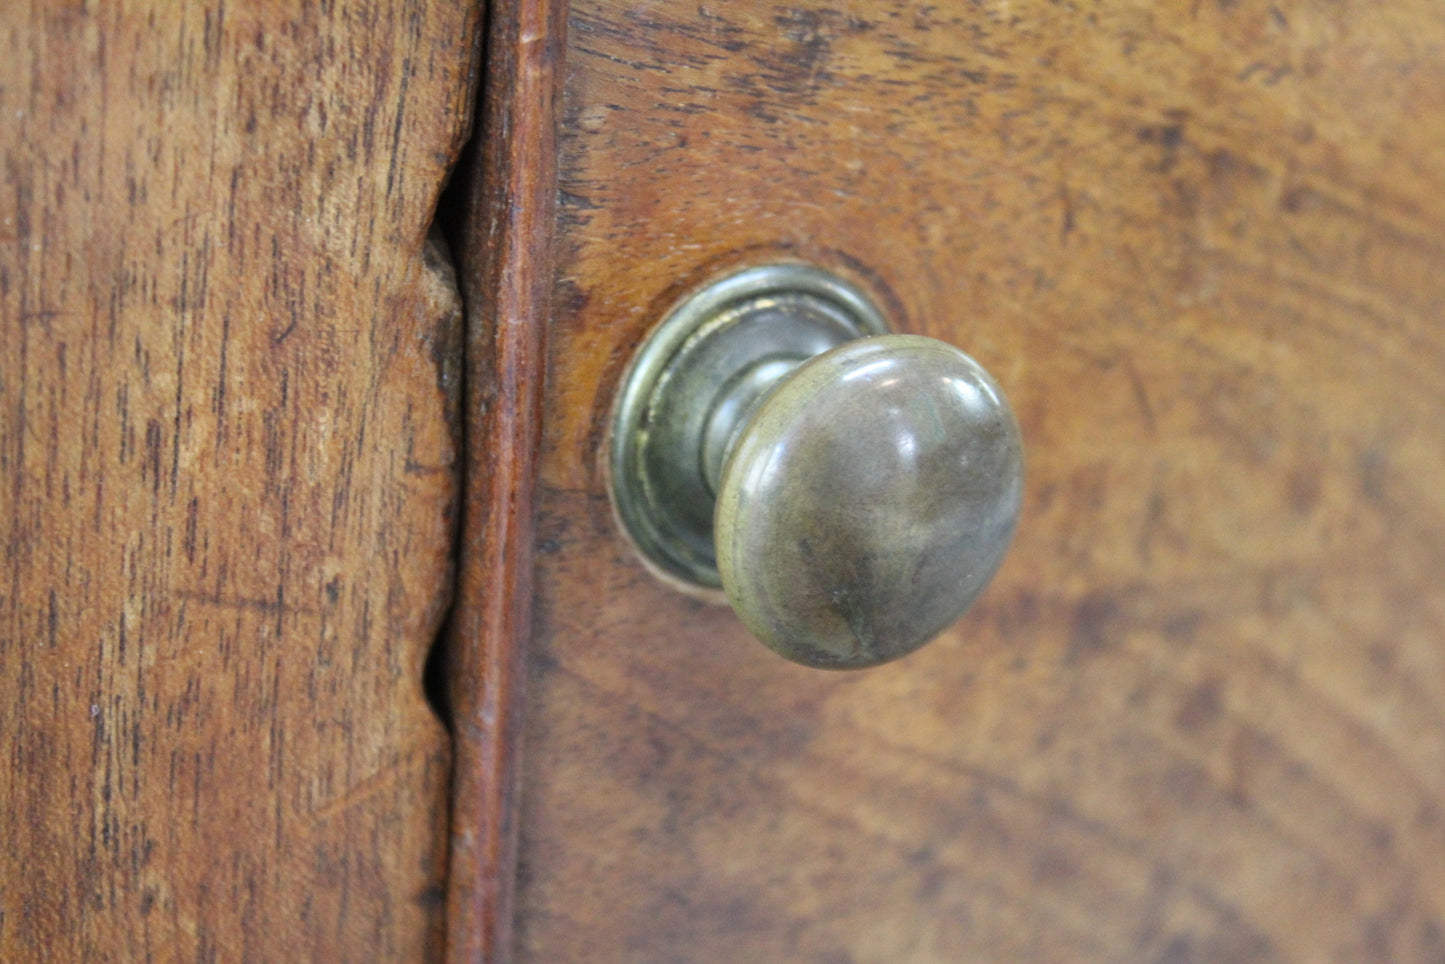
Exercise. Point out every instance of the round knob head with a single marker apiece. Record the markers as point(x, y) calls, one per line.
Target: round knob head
point(868, 500)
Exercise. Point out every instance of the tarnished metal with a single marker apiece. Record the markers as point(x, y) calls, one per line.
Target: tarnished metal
point(692, 383)
point(852, 492)
point(868, 501)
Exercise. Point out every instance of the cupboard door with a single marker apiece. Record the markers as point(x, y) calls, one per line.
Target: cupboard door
point(227, 389)
point(1197, 716)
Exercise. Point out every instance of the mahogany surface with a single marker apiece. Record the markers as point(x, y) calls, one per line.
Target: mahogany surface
point(1200, 715)
point(229, 369)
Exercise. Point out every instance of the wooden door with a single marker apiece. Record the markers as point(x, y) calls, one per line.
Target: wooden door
point(229, 361)
point(1198, 715)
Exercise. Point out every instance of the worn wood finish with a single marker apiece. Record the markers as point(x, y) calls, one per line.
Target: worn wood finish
point(1198, 715)
point(227, 398)
point(506, 271)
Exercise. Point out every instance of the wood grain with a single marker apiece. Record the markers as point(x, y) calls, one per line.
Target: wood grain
point(228, 395)
point(506, 268)
point(1198, 715)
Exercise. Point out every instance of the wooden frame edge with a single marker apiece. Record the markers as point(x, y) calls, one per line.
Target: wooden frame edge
point(506, 267)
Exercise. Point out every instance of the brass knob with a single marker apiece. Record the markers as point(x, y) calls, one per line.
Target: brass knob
point(851, 491)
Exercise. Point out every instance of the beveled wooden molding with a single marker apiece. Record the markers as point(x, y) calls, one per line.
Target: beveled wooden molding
point(506, 269)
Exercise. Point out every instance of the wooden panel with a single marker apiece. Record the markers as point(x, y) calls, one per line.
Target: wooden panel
point(228, 390)
point(1198, 715)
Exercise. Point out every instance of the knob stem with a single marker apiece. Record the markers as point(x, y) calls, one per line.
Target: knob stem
point(736, 400)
